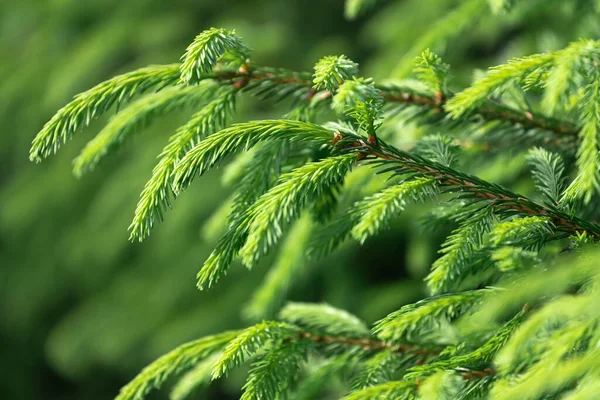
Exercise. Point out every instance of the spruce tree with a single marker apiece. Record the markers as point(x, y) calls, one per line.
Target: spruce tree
point(510, 311)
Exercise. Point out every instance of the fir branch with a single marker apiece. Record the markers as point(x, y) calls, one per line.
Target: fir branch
point(332, 71)
point(216, 147)
point(433, 72)
point(565, 65)
point(457, 252)
point(156, 196)
point(95, 102)
point(324, 319)
point(547, 170)
point(137, 115)
point(375, 211)
point(414, 321)
point(248, 342)
point(284, 202)
point(183, 357)
point(208, 47)
point(588, 165)
point(494, 81)
point(272, 375)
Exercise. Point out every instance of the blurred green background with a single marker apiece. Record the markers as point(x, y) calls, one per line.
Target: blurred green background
point(82, 310)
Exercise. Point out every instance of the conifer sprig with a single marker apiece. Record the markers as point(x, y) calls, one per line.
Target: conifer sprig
point(332, 71)
point(492, 111)
point(207, 48)
point(501, 199)
point(588, 179)
point(216, 147)
point(133, 118)
point(494, 81)
point(185, 356)
point(155, 197)
point(95, 102)
point(284, 202)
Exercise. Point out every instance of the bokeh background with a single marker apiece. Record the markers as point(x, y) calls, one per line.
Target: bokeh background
point(82, 310)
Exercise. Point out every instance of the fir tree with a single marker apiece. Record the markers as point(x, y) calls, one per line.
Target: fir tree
point(511, 312)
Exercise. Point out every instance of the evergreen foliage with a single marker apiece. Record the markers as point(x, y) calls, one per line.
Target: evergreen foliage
point(512, 311)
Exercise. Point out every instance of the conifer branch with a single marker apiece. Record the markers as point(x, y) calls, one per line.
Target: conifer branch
point(156, 196)
point(501, 200)
point(95, 102)
point(216, 147)
point(488, 110)
point(207, 48)
point(136, 116)
point(284, 202)
point(183, 357)
point(369, 344)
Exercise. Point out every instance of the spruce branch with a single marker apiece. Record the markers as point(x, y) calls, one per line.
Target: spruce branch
point(208, 47)
point(95, 102)
point(381, 368)
point(195, 379)
point(588, 163)
point(248, 342)
point(500, 199)
point(479, 358)
point(272, 375)
point(216, 147)
point(260, 174)
point(494, 81)
point(156, 196)
point(183, 357)
point(547, 170)
point(374, 212)
point(395, 390)
point(283, 203)
point(566, 64)
point(414, 321)
point(135, 116)
point(488, 110)
point(332, 71)
point(325, 319)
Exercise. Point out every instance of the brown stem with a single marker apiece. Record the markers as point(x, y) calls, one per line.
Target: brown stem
point(369, 344)
point(435, 102)
point(499, 201)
